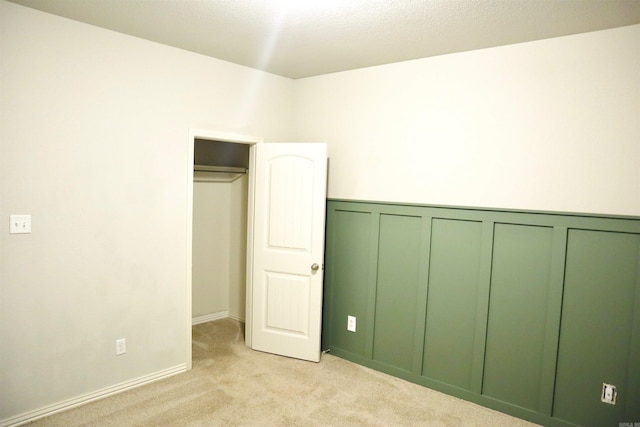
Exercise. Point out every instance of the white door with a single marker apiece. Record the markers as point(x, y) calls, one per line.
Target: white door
point(288, 248)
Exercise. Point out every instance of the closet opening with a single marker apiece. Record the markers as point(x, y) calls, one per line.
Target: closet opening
point(220, 175)
point(220, 194)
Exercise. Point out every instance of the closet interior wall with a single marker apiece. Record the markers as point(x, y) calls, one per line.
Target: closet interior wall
point(219, 247)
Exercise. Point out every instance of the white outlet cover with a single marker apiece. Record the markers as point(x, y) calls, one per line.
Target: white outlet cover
point(608, 394)
point(121, 346)
point(351, 323)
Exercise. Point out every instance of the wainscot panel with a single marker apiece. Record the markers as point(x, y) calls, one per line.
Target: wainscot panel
point(517, 313)
point(397, 290)
point(452, 299)
point(527, 312)
point(597, 326)
point(350, 248)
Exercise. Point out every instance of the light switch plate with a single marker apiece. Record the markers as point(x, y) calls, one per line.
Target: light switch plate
point(20, 224)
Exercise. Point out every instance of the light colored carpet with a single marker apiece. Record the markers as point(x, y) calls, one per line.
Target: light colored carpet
point(231, 385)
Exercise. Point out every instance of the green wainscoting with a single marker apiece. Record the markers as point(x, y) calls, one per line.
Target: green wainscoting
point(600, 289)
point(351, 251)
point(452, 296)
point(394, 323)
point(524, 312)
point(520, 281)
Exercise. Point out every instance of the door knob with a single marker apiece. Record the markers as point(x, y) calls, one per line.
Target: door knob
point(315, 267)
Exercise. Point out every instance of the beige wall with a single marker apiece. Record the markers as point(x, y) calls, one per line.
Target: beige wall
point(548, 125)
point(238, 248)
point(219, 248)
point(211, 244)
point(94, 145)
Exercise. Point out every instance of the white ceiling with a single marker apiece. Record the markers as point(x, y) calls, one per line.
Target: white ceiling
point(301, 38)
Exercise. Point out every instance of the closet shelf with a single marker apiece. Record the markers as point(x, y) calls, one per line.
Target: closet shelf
point(204, 173)
point(225, 169)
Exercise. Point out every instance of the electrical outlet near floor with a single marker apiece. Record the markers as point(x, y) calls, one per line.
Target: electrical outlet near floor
point(351, 323)
point(609, 394)
point(121, 346)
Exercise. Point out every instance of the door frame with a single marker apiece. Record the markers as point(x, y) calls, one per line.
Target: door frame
point(214, 135)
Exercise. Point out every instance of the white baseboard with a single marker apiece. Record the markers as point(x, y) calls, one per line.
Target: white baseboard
point(90, 397)
point(45, 411)
point(216, 316)
point(210, 317)
point(236, 317)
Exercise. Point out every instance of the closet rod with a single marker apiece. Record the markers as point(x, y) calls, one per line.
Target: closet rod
point(231, 169)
